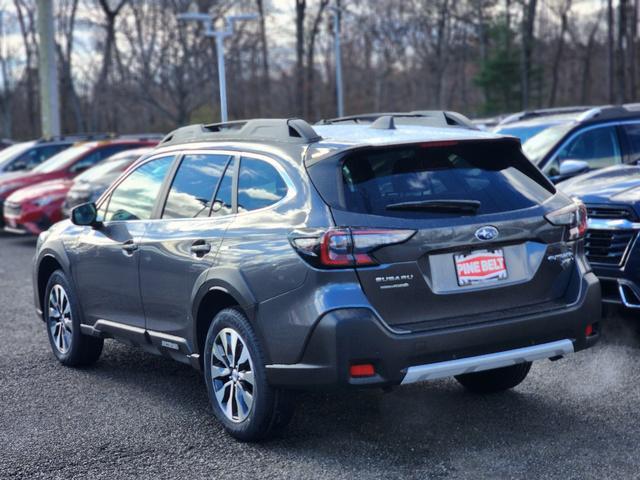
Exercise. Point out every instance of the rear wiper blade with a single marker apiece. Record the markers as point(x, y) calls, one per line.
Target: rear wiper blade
point(440, 206)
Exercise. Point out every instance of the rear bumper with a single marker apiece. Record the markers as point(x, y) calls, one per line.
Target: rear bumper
point(345, 337)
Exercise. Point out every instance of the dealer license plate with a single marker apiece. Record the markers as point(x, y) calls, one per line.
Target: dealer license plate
point(480, 266)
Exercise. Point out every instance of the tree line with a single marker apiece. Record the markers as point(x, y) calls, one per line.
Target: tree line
point(131, 66)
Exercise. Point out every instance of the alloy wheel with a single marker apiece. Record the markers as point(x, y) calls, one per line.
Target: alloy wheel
point(60, 319)
point(232, 375)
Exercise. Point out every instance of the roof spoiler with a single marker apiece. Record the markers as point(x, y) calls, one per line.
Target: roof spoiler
point(427, 118)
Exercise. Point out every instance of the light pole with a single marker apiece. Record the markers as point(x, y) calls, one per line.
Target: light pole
point(207, 20)
point(48, 71)
point(337, 13)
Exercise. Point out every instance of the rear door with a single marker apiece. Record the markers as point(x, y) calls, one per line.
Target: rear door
point(181, 245)
point(481, 242)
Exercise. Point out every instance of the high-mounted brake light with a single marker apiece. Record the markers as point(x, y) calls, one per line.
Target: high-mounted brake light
point(346, 247)
point(573, 216)
point(446, 143)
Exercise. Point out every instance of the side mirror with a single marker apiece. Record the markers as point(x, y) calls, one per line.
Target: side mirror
point(85, 215)
point(571, 168)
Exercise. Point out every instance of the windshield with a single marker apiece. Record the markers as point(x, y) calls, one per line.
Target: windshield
point(59, 161)
point(537, 147)
point(523, 133)
point(103, 169)
point(9, 153)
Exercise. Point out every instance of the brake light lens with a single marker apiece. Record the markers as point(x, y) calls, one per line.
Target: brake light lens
point(346, 247)
point(573, 216)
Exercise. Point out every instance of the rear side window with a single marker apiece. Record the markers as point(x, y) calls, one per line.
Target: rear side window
point(259, 185)
point(632, 132)
point(194, 185)
point(383, 181)
point(223, 204)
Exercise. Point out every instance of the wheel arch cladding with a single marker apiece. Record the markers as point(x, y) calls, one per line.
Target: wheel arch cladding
point(46, 267)
point(214, 300)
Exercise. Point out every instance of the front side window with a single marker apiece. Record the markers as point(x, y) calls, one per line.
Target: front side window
point(192, 190)
point(135, 197)
point(259, 185)
point(598, 147)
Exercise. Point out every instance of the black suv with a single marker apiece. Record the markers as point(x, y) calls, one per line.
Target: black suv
point(612, 197)
point(277, 256)
point(569, 144)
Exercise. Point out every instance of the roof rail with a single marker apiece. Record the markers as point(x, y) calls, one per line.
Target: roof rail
point(384, 123)
point(287, 130)
point(427, 118)
point(612, 112)
point(516, 117)
point(78, 137)
point(142, 136)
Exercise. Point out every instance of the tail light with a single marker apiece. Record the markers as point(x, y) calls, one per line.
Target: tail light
point(346, 247)
point(573, 216)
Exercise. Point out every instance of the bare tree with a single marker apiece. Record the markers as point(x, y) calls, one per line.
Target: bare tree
point(266, 78)
point(309, 110)
point(562, 11)
point(528, 25)
point(26, 13)
point(621, 91)
point(66, 20)
point(301, 7)
point(108, 51)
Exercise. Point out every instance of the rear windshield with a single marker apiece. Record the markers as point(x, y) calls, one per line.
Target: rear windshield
point(494, 176)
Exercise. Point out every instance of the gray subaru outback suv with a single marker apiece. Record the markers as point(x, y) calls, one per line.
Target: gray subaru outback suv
point(275, 256)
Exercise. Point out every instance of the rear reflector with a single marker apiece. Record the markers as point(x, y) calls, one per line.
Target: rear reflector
point(588, 331)
point(362, 370)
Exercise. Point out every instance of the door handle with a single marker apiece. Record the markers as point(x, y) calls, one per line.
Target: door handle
point(129, 246)
point(200, 248)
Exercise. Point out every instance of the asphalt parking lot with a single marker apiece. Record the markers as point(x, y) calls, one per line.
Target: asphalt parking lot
point(133, 415)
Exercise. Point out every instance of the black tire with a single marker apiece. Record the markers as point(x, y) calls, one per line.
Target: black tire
point(497, 380)
point(81, 350)
point(271, 408)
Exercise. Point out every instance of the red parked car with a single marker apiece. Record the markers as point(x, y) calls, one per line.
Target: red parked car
point(33, 200)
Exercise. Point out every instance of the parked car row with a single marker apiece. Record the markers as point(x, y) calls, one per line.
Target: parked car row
point(34, 192)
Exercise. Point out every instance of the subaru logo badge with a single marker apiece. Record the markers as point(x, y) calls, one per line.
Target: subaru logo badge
point(486, 233)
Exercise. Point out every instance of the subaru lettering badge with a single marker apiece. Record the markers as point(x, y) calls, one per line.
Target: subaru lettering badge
point(486, 233)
